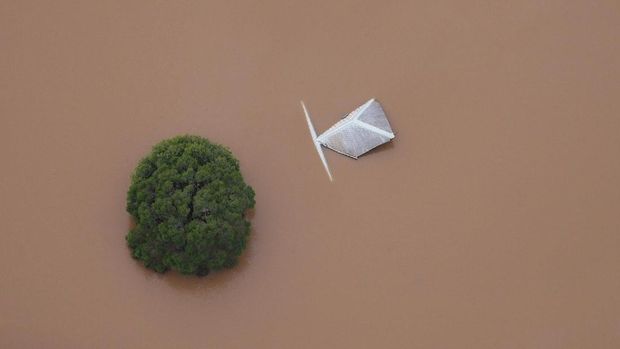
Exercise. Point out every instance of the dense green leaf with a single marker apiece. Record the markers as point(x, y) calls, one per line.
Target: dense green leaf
point(188, 199)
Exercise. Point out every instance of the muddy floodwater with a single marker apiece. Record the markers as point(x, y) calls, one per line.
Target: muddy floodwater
point(491, 221)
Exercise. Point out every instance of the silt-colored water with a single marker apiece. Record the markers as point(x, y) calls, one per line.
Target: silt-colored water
point(491, 221)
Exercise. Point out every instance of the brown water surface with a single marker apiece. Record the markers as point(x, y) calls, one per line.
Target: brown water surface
point(492, 221)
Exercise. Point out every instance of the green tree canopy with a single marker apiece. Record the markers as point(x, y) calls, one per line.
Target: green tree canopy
point(188, 199)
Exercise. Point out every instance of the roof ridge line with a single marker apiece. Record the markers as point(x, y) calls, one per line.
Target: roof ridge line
point(344, 121)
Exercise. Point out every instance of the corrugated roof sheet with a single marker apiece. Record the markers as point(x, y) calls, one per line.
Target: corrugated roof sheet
point(363, 129)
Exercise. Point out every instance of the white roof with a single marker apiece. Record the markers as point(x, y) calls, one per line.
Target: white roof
point(363, 129)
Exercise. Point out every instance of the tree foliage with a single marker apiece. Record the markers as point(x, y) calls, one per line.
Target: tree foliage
point(188, 199)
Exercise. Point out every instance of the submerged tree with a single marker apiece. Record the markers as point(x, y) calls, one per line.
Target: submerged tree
point(189, 201)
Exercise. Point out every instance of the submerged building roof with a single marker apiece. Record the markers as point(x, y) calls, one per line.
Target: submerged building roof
point(357, 133)
point(363, 129)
